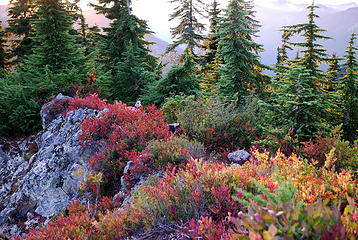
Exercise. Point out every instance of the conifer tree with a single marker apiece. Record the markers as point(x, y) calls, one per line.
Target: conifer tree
point(211, 60)
point(296, 104)
point(56, 49)
point(242, 69)
point(20, 28)
point(115, 51)
point(189, 30)
point(313, 52)
point(331, 88)
point(3, 54)
point(211, 44)
point(350, 92)
point(180, 79)
point(132, 76)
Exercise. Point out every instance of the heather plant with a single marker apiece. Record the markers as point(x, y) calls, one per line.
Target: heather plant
point(219, 126)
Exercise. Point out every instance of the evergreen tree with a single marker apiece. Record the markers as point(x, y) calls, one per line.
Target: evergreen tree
point(296, 105)
point(211, 60)
point(242, 69)
point(282, 51)
point(331, 88)
point(3, 54)
point(331, 83)
point(180, 79)
point(350, 92)
point(115, 51)
point(189, 29)
point(313, 52)
point(211, 44)
point(20, 28)
point(132, 76)
point(55, 48)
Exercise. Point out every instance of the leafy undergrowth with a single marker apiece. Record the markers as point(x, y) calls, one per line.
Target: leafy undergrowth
point(272, 196)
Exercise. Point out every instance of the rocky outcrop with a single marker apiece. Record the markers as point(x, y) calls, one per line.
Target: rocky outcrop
point(38, 174)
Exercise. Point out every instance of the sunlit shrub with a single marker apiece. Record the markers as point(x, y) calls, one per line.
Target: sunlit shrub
point(174, 151)
point(280, 215)
point(124, 131)
point(219, 126)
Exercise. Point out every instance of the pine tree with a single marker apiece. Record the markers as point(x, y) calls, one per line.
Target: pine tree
point(20, 28)
point(350, 92)
point(189, 29)
point(242, 69)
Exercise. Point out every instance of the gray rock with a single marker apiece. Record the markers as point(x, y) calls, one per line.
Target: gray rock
point(47, 111)
point(42, 183)
point(239, 157)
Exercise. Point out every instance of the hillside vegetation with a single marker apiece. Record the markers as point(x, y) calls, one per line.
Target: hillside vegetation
point(299, 126)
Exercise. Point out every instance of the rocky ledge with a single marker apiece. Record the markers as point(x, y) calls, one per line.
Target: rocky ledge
point(38, 173)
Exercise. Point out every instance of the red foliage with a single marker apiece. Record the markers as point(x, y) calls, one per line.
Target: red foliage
point(126, 131)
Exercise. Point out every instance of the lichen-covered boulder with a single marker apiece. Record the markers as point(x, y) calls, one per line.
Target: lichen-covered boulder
point(38, 174)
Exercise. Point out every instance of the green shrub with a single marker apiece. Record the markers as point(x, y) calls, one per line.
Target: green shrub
point(174, 151)
point(171, 106)
point(219, 126)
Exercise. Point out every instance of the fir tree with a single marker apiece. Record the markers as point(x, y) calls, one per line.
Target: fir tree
point(20, 28)
point(313, 52)
point(296, 105)
point(242, 68)
point(132, 75)
point(282, 51)
point(211, 60)
point(189, 29)
point(3, 54)
point(350, 92)
point(115, 51)
point(211, 44)
point(331, 88)
point(55, 49)
point(180, 79)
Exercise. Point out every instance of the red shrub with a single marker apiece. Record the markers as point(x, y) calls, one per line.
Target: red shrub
point(125, 131)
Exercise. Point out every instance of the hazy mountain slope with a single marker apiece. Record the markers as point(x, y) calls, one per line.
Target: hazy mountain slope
point(339, 25)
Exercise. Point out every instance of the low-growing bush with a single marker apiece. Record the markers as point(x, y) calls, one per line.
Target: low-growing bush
point(124, 131)
point(174, 151)
point(279, 196)
point(280, 215)
point(219, 126)
point(171, 106)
